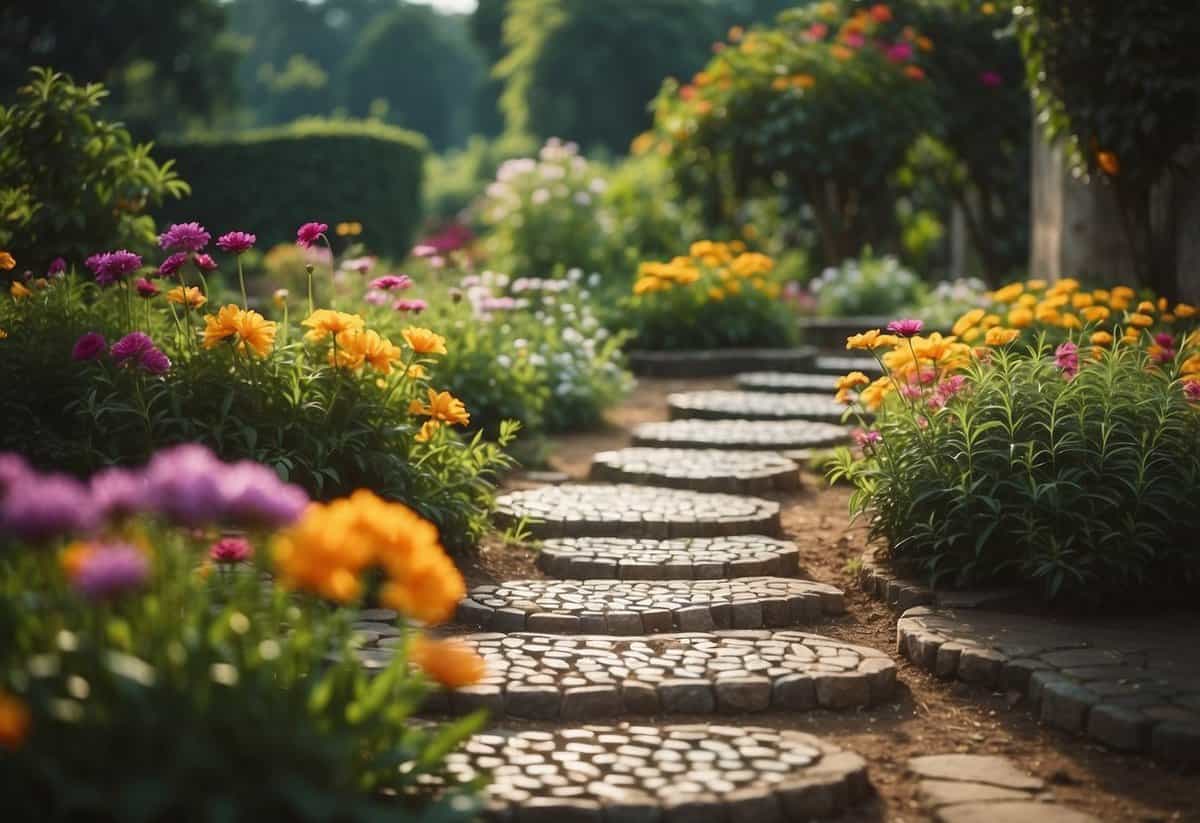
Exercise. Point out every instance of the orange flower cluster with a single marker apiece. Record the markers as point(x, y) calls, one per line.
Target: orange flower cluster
point(720, 269)
point(442, 407)
point(909, 361)
point(449, 662)
point(245, 327)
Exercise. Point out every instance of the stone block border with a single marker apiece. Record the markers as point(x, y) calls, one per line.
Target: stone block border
point(719, 362)
point(696, 558)
point(720, 404)
point(702, 470)
point(740, 435)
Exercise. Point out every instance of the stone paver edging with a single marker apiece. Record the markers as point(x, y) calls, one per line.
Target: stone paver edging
point(622, 510)
point(782, 382)
point(721, 404)
point(703, 470)
point(737, 435)
point(687, 558)
point(719, 362)
point(553, 677)
point(1133, 684)
point(878, 580)
point(636, 607)
point(972, 788)
point(668, 774)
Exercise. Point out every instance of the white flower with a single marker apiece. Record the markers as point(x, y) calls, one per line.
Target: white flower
point(540, 196)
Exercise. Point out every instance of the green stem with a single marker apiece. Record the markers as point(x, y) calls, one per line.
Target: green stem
point(242, 282)
point(332, 274)
point(311, 304)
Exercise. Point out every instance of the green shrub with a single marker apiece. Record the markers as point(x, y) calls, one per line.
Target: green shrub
point(71, 183)
point(276, 179)
point(867, 287)
point(456, 178)
point(1072, 469)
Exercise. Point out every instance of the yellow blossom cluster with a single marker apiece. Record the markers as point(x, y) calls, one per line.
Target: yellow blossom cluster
point(246, 328)
point(906, 360)
point(718, 269)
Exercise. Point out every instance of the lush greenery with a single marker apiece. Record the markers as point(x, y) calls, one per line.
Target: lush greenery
point(363, 172)
point(150, 669)
point(70, 182)
point(867, 287)
point(716, 295)
point(1063, 455)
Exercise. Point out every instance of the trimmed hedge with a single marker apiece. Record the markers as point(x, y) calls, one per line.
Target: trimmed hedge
point(270, 181)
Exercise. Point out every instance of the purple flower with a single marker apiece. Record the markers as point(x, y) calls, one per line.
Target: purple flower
point(146, 288)
point(41, 506)
point(497, 304)
point(118, 493)
point(111, 266)
point(307, 234)
point(414, 306)
point(908, 327)
point(153, 361)
point(392, 282)
point(1066, 357)
point(236, 242)
point(231, 550)
point(111, 569)
point(57, 267)
point(89, 346)
point(185, 236)
point(899, 52)
point(204, 262)
point(991, 79)
point(172, 264)
point(131, 347)
point(1165, 340)
point(13, 469)
point(254, 495)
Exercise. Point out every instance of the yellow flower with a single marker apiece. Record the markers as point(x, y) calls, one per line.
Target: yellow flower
point(192, 297)
point(840, 52)
point(1065, 286)
point(324, 322)
point(968, 320)
point(781, 84)
point(1020, 318)
point(852, 380)
point(803, 81)
point(358, 346)
point(3, 334)
point(1101, 295)
point(990, 320)
point(71, 558)
point(1123, 292)
point(988, 9)
point(428, 429)
point(1095, 314)
point(1008, 293)
point(7, 261)
point(750, 264)
point(1027, 300)
point(873, 339)
point(872, 396)
point(255, 332)
point(1036, 284)
point(1101, 338)
point(715, 293)
point(348, 229)
point(1082, 301)
point(1191, 365)
point(442, 406)
point(423, 341)
point(18, 291)
point(1185, 311)
point(1146, 307)
point(15, 720)
point(1142, 321)
point(429, 591)
point(1069, 321)
point(935, 347)
point(221, 326)
point(415, 372)
point(449, 662)
point(999, 336)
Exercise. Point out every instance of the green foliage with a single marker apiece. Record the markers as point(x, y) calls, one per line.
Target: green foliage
point(1084, 487)
point(652, 215)
point(276, 179)
point(457, 177)
point(867, 287)
point(72, 184)
point(941, 306)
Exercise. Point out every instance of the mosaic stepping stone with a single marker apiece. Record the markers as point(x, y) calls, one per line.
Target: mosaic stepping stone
point(695, 558)
point(634, 607)
point(548, 677)
point(719, 404)
point(719, 362)
point(700, 470)
point(782, 435)
point(629, 773)
point(846, 363)
point(781, 382)
point(596, 510)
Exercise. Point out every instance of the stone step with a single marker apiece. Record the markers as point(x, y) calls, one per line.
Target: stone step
point(637, 607)
point(722, 404)
point(845, 363)
point(665, 774)
point(738, 435)
point(623, 510)
point(965, 788)
point(702, 470)
point(552, 677)
point(782, 382)
point(686, 558)
point(719, 362)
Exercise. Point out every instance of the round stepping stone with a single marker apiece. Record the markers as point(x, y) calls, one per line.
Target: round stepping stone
point(619, 773)
point(548, 677)
point(699, 470)
point(719, 404)
point(782, 382)
point(596, 510)
point(782, 435)
point(719, 362)
point(692, 558)
point(846, 363)
point(634, 607)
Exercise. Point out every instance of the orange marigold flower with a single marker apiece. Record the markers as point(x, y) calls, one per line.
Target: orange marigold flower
point(924, 43)
point(1020, 318)
point(852, 380)
point(1185, 311)
point(881, 13)
point(451, 663)
point(325, 322)
point(423, 341)
point(429, 591)
point(1095, 314)
point(428, 429)
point(15, 720)
point(7, 261)
point(224, 324)
point(1142, 321)
point(18, 291)
point(840, 52)
point(998, 336)
point(914, 72)
point(1008, 293)
point(1101, 338)
point(967, 321)
point(189, 296)
point(442, 406)
point(872, 339)
point(1108, 163)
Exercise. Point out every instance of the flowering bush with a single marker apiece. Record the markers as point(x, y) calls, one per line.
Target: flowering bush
point(867, 287)
point(117, 366)
point(546, 214)
point(150, 669)
point(717, 295)
point(941, 306)
point(1072, 466)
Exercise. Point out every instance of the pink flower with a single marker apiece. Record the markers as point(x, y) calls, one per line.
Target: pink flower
point(1066, 357)
point(899, 52)
point(414, 306)
point(146, 288)
point(424, 250)
point(362, 265)
point(392, 282)
point(952, 386)
point(1191, 390)
point(185, 236)
point(854, 40)
point(867, 438)
point(308, 234)
point(172, 264)
point(236, 242)
point(1165, 340)
point(817, 31)
point(111, 266)
point(908, 327)
point(153, 361)
point(131, 347)
point(89, 346)
point(57, 267)
point(231, 550)
point(376, 297)
point(991, 79)
point(910, 392)
point(204, 262)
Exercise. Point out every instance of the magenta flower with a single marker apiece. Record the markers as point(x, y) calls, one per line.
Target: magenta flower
point(111, 266)
point(951, 386)
point(867, 438)
point(899, 52)
point(991, 79)
point(854, 40)
point(111, 569)
point(231, 550)
point(57, 267)
point(1165, 340)
point(414, 306)
point(89, 346)
point(907, 327)
point(308, 234)
point(392, 282)
point(362, 265)
point(236, 242)
point(1191, 390)
point(131, 347)
point(1066, 357)
point(118, 493)
point(146, 288)
point(155, 362)
point(172, 264)
point(185, 236)
point(204, 262)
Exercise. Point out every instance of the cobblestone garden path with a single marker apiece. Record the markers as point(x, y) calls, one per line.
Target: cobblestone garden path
point(666, 659)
